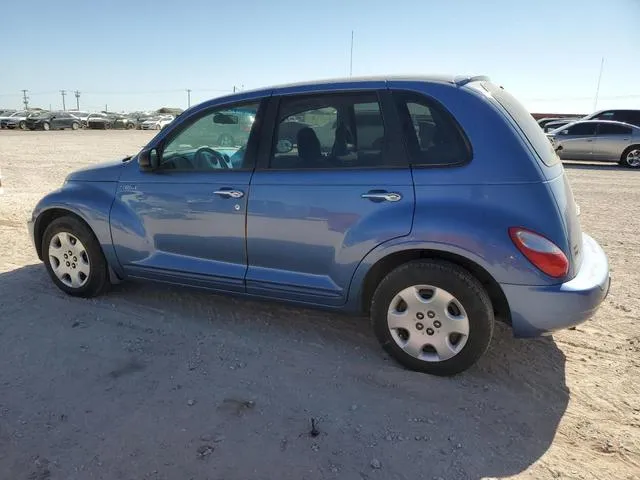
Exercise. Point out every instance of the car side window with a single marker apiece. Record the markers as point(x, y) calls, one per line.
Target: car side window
point(216, 140)
point(582, 129)
point(613, 129)
point(330, 131)
point(611, 115)
point(432, 136)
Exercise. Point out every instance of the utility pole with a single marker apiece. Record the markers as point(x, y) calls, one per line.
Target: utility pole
point(595, 101)
point(25, 99)
point(234, 89)
point(351, 56)
point(188, 97)
point(63, 93)
point(77, 94)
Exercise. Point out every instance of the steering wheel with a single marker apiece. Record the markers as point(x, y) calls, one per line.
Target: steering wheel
point(202, 159)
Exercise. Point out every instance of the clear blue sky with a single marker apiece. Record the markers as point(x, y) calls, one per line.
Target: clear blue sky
point(135, 54)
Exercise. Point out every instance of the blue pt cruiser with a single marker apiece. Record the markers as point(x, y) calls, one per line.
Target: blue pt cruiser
point(434, 205)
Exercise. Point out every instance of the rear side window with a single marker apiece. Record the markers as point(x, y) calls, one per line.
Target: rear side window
point(613, 129)
point(432, 136)
point(529, 127)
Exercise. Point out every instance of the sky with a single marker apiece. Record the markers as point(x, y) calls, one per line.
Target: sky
point(138, 55)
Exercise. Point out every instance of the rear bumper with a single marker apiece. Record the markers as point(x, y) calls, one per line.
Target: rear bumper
point(540, 310)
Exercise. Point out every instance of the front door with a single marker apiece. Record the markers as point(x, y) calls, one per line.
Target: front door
point(332, 184)
point(577, 141)
point(185, 221)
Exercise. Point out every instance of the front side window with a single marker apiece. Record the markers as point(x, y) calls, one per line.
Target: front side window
point(330, 131)
point(432, 136)
point(582, 129)
point(610, 115)
point(613, 129)
point(215, 141)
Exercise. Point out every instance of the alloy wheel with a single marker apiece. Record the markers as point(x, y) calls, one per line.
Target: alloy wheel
point(69, 259)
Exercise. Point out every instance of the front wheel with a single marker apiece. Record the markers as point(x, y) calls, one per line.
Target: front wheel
point(74, 259)
point(74, 126)
point(22, 125)
point(46, 126)
point(631, 157)
point(432, 316)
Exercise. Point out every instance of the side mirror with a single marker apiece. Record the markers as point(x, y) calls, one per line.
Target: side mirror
point(148, 159)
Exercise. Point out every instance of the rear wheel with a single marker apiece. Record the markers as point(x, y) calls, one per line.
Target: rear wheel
point(631, 157)
point(46, 126)
point(432, 316)
point(74, 259)
point(74, 126)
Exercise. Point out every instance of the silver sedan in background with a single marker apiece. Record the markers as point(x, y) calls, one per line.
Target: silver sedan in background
point(599, 140)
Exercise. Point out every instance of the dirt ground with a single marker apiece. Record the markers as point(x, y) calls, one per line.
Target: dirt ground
point(158, 382)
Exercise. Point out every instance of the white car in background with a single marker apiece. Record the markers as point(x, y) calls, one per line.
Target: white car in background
point(82, 116)
point(157, 123)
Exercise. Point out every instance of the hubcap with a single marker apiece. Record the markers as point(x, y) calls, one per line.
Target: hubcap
point(633, 158)
point(69, 259)
point(428, 323)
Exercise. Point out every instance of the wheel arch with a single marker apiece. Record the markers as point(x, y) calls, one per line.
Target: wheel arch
point(44, 220)
point(389, 262)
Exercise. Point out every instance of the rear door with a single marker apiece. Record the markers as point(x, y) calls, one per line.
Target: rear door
point(577, 141)
point(611, 140)
point(332, 184)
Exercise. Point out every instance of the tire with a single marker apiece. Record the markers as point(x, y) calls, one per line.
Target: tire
point(130, 126)
point(75, 126)
point(86, 257)
point(46, 126)
point(630, 158)
point(459, 296)
point(22, 125)
point(157, 127)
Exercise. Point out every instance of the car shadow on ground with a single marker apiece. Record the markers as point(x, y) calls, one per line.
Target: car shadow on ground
point(494, 420)
point(587, 165)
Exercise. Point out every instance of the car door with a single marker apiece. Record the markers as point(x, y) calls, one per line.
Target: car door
point(577, 141)
point(184, 221)
point(611, 140)
point(322, 196)
point(55, 121)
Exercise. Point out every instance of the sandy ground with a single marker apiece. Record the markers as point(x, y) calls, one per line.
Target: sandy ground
point(157, 382)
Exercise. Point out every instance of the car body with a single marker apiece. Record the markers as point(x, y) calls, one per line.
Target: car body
point(101, 121)
point(157, 122)
point(125, 122)
point(598, 140)
point(52, 121)
point(83, 116)
point(4, 114)
point(435, 229)
point(543, 122)
point(15, 120)
point(555, 124)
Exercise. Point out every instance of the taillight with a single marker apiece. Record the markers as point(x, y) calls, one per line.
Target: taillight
point(540, 251)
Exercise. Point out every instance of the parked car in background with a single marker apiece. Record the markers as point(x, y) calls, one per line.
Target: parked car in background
point(555, 124)
point(394, 227)
point(15, 120)
point(52, 121)
point(100, 121)
point(83, 116)
point(125, 122)
point(157, 122)
point(625, 116)
point(544, 121)
point(4, 113)
point(599, 140)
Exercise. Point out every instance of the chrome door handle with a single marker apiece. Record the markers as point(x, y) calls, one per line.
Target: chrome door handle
point(383, 196)
point(230, 193)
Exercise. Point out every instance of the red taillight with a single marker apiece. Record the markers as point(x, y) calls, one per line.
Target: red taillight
point(540, 251)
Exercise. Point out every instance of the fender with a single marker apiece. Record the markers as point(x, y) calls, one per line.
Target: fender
point(91, 201)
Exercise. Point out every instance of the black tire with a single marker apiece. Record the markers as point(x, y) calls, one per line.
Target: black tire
point(75, 126)
point(46, 126)
point(459, 283)
point(623, 158)
point(22, 125)
point(98, 279)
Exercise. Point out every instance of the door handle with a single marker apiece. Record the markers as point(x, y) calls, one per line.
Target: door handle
point(382, 196)
point(230, 193)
